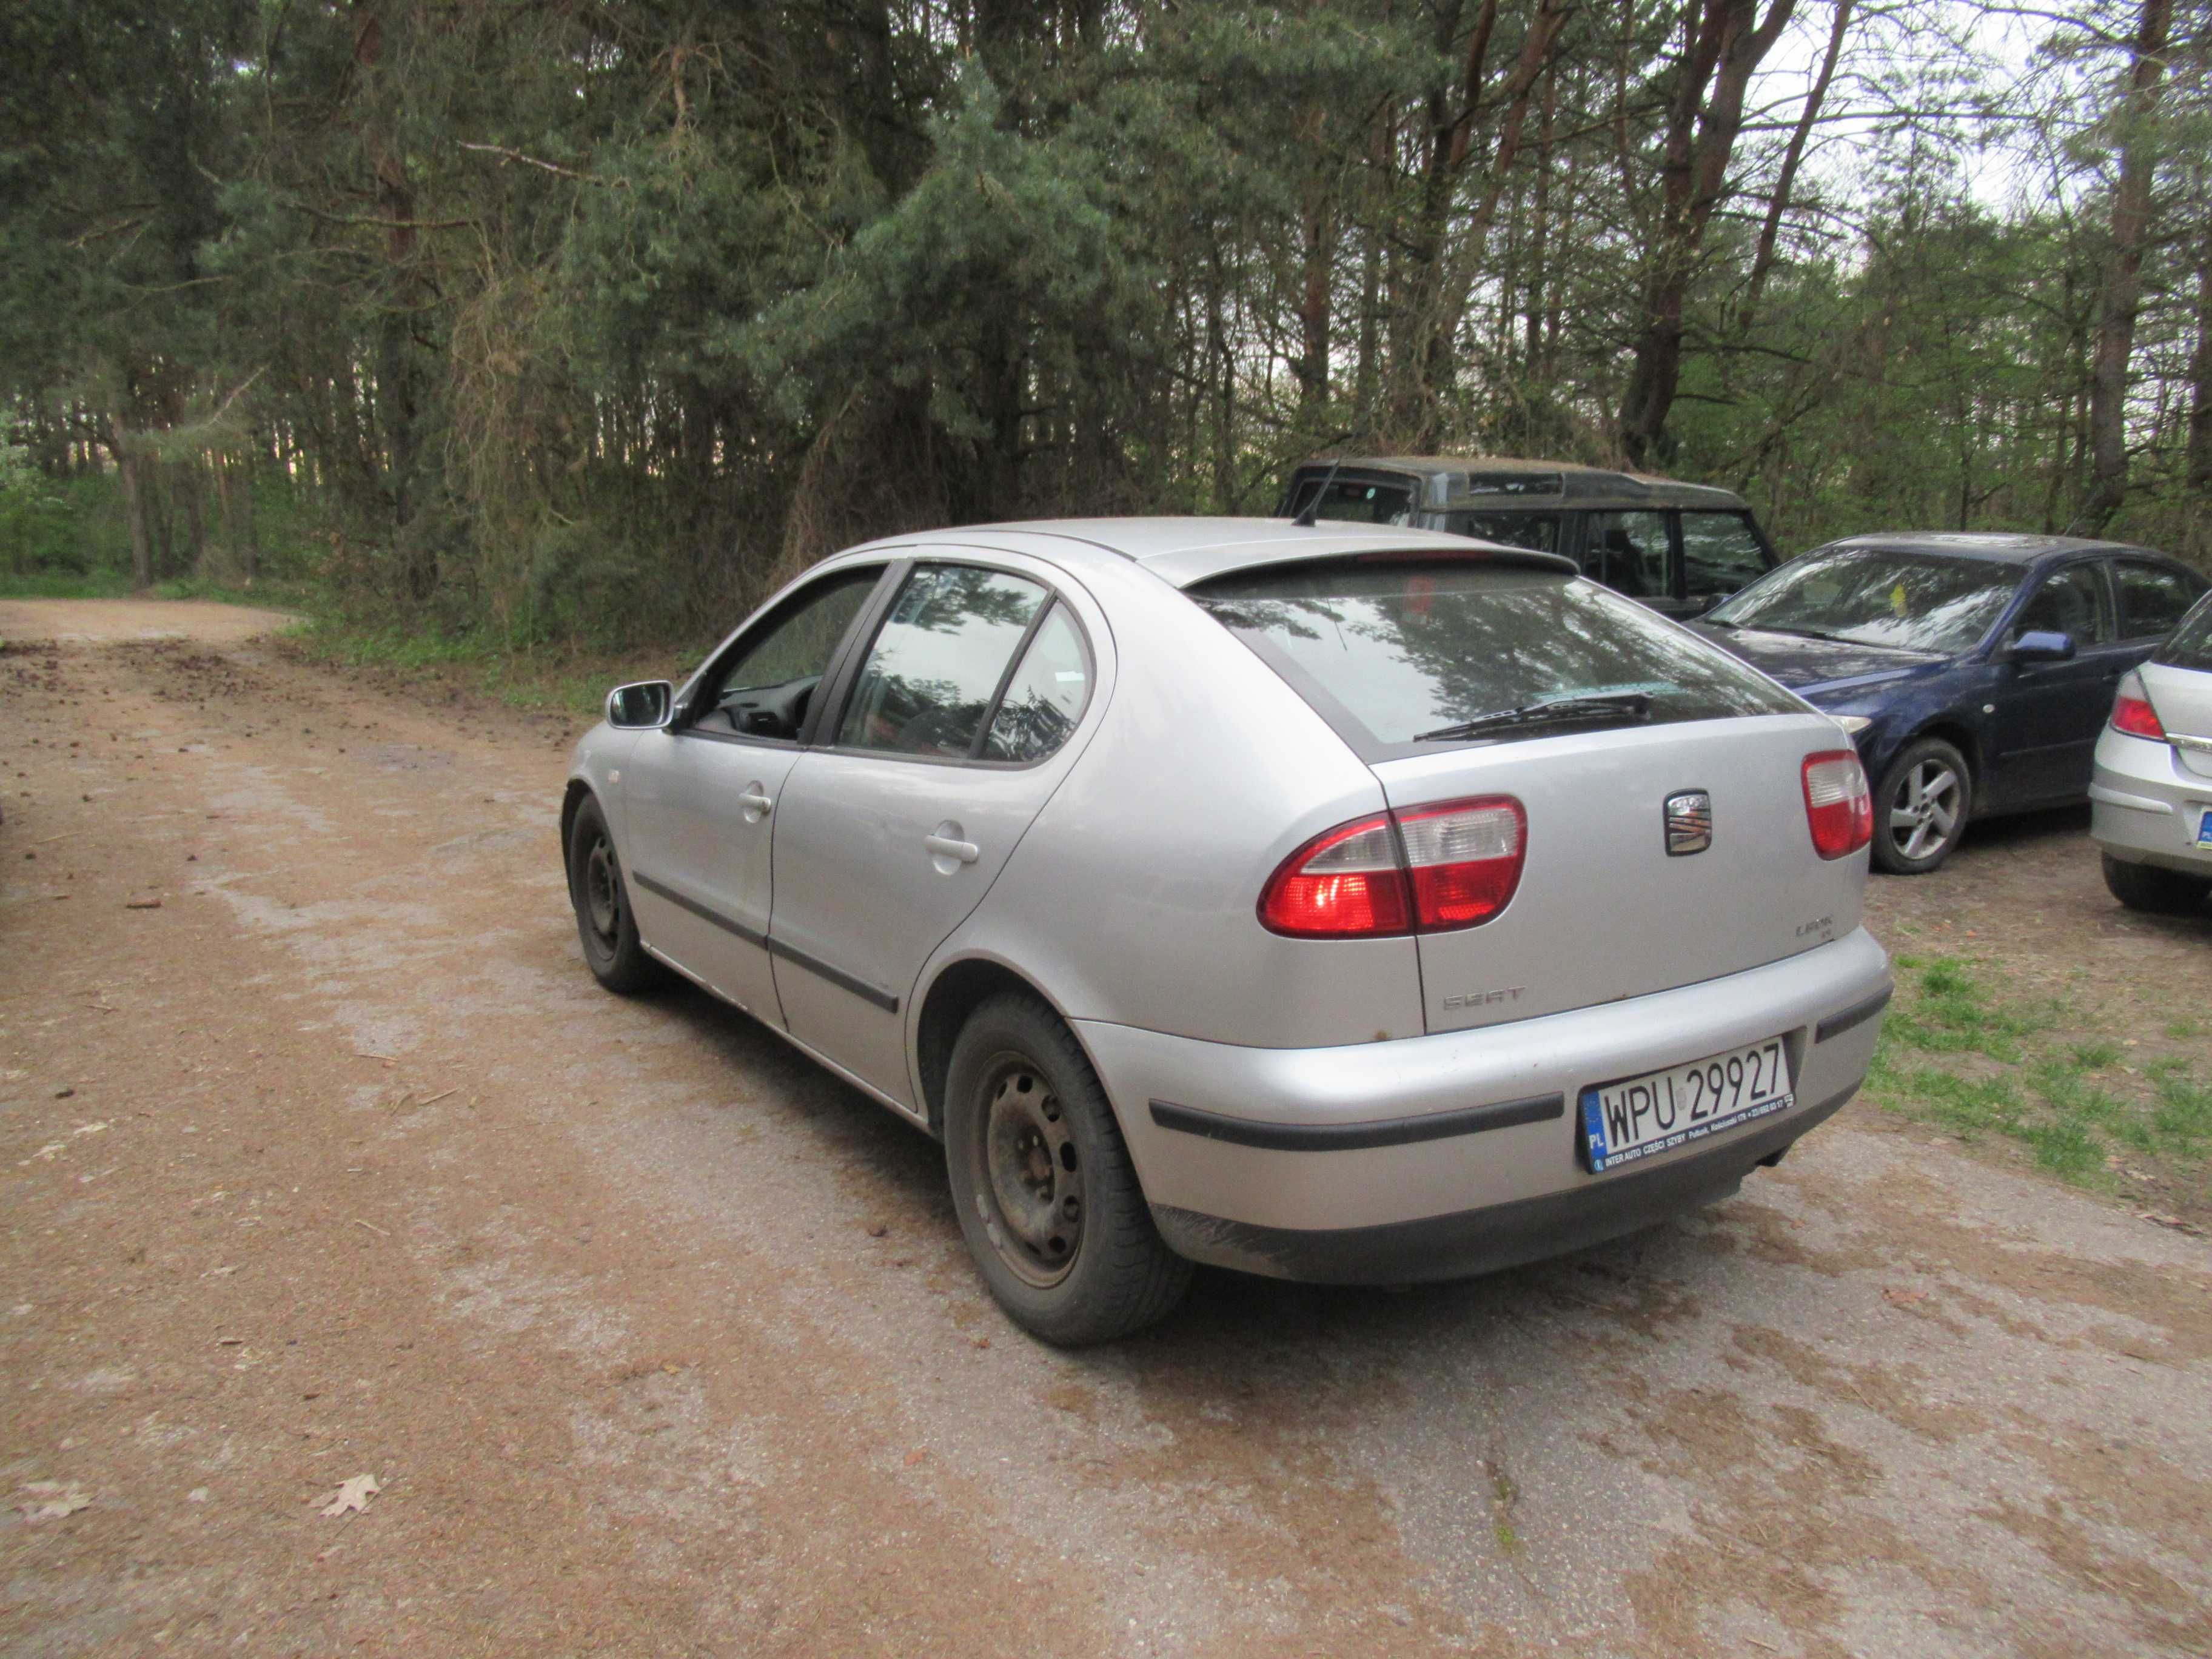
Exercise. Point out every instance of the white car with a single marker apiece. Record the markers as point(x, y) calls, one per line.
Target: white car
point(2151, 797)
point(1336, 902)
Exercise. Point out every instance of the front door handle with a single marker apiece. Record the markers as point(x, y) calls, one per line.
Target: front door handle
point(944, 847)
point(756, 802)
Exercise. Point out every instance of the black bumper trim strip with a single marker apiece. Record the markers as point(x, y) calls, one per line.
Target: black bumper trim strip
point(662, 889)
point(1857, 1014)
point(837, 977)
point(1355, 1136)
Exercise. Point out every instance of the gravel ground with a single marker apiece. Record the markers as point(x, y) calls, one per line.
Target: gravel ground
point(653, 1339)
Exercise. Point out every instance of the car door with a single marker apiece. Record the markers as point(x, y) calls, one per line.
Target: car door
point(1633, 553)
point(702, 792)
point(2049, 713)
point(951, 734)
point(1722, 553)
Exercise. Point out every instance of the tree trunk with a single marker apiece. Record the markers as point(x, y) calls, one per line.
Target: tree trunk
point(1724, 43)
point(1769, 231)
point(2123, 297)
point(189, 488)
point(129, 473)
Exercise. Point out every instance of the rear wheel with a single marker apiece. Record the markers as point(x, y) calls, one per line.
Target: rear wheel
point(612, 950)
point(2157, 890)
point(1048, 1198)
point(1920, 808)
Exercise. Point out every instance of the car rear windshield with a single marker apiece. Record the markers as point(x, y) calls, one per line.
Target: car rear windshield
point(1405, 647)
point(1912, 601)
point(2189, 644)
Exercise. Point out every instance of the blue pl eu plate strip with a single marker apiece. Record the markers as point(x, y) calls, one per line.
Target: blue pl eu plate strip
point(1599, 1160)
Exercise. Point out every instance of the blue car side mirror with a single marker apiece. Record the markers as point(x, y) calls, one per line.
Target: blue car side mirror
point(2041, 645)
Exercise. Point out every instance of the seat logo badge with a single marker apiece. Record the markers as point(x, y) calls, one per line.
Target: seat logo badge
point(1689, 823)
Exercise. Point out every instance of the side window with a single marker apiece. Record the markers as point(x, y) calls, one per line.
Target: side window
point(2152, 598)
point(1628, 552)
point(764, 687)
point(1719, 553)
point(1537, 532)
point(1045, 695)
point(1350, 501)
point(2070, 601)
point(938, 661)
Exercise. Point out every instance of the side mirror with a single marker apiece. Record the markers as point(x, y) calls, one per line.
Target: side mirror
point(640, 706)
point(2040, 645)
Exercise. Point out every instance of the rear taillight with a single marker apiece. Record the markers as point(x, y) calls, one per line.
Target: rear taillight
point(1428, 869)
point(1837, 807)
point(2132, 713)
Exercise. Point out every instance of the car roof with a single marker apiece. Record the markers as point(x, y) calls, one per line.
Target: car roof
point(1991, 545)
point(1470, 481)
point(1184, 551)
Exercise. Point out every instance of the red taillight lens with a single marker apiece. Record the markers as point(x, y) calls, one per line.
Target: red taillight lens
point(2136, 717)
point(1345, 885)
point(1460, 864)
point(1465, 857)
point(1837, 807)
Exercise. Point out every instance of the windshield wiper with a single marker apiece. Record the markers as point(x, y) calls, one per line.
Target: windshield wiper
point(1632, 707)
point(1805, 633)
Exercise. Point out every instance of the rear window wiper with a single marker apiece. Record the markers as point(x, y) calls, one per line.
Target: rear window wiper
point(1631, 707)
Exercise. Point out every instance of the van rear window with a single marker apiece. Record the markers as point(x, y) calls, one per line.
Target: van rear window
point(1407, 648)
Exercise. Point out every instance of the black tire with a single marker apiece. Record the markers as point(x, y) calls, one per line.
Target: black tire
point(2153, 890)
point(1049, 1201)
point(600, 896)
point(1922, 803)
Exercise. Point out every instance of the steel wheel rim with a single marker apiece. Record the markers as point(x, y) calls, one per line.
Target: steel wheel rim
point(603, 893)
point(1032, 1194)
point(1924, 810)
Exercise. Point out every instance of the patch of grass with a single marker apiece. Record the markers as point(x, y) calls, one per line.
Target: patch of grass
point(2182, 1029)
point(65, 585)
point(1984, 1064)
point(534, 678)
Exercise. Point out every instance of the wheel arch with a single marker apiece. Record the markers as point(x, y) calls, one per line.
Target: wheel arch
point(1953, 729)
point(572, 802)
point(957, 990)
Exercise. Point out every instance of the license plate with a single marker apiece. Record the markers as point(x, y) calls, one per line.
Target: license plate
point(1639, 1117)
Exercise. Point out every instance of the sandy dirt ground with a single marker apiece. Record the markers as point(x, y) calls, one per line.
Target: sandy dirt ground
point(322, 1157)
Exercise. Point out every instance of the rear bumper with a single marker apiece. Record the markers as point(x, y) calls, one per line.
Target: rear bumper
point(2145, 804)
point(1438, 1157)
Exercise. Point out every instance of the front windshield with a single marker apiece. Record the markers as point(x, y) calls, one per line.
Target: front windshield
point(1910, 601)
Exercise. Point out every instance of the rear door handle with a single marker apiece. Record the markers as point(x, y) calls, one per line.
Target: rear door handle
point(945, 847)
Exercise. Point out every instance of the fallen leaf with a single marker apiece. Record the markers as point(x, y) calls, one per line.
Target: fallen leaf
point(2158, 1218)
point(1893, 1294)
point(916, 1456)
point(50, 1500)
point(87, 1128)
point(353, 1494)
point(142, 904)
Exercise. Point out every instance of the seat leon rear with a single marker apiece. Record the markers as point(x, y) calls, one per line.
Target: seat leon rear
point(1350, 904)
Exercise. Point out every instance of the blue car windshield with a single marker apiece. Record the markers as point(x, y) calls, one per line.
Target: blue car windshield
point(1908, 601)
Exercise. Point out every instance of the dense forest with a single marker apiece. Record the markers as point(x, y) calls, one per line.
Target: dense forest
point(588, 319)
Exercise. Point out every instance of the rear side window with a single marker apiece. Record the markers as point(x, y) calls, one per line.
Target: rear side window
point(2191, 646)
point(1720, 553)
point(1537, 532)
point(1045, 697)
point(936, 664)
point(1407, 648)
point(1629, 554)
point(2153, 598)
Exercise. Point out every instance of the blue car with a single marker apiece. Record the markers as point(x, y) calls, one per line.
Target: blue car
point(1975, 671)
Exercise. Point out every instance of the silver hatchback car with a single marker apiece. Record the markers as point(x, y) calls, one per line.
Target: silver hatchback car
point(2150, 794)
point(1344, 903)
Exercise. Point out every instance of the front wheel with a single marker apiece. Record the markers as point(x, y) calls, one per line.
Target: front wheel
point(1920, 808)
point(1048, 1198)
point(2153, 889)
point(612, 950)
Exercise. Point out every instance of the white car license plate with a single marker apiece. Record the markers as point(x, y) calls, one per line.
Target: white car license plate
point(1640, 1116)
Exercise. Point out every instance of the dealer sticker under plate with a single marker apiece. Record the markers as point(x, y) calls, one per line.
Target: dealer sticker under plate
point(1641, 1116)
point(2204, 829)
